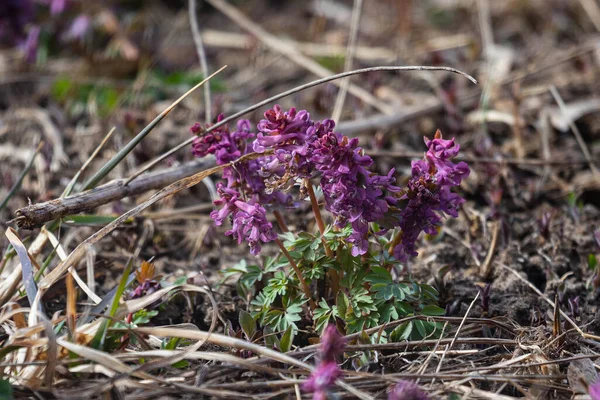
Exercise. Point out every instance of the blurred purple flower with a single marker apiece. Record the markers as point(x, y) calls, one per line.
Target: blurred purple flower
point(595, 391)
point(321, 379)
point(326, 373)
point(405, 390)
point(78, 28)
point(30, 46)
point(56, 6)
point(597, 237)
point(146, 288)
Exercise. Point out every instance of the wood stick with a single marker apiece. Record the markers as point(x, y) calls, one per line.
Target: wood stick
point(36, 215)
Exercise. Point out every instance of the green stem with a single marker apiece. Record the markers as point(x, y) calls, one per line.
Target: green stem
point(303, 284)
point(333, 275)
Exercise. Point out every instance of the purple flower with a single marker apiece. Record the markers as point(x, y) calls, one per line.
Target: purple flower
point(249, 220)
point(597, 237)
point(250, 224)
point(326, 373)
point(56, 6)
point(78, 28)
point(30, 46)
point(146, 288)
point(332, 344)
point(595, 391)
point(321, 379)
point(405, 390)
point(427, 196)
point(218, 142)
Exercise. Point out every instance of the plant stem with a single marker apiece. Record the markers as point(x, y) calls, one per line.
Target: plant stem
point(333, 275)
point(395, 241)
point(280, 221)
point(303, 284)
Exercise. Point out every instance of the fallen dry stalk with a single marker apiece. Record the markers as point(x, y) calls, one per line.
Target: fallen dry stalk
point(36, 215)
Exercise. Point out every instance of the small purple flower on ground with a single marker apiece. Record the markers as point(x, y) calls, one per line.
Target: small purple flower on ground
point(405, 390)
point(326, 373)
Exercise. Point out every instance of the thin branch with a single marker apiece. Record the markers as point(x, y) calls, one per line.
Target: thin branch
point(35, 215)
point(290, 92)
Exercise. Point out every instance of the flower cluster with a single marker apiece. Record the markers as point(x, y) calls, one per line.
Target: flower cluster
point(300, 149)
point(427, 196)
point(246, 189)
point(306, 148)
point(327, 371)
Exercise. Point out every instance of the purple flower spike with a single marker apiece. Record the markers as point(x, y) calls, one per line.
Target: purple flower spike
point(321, 379)
point(405, 390)
point(326, 373)
point(332, 344)
point(428, 196)
point(250, 224)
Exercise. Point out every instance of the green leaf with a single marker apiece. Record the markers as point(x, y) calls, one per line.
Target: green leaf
point(592, 262)
point(248, 324)
point(342, 304)
point(6, 392)
point(433, 310)
point(379, 275)
point(420, 328)
point(402, 332)
point(285, 344)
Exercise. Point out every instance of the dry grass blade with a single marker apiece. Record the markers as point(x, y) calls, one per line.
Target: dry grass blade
point(26, 266)
point(87, 162)
point(51, 353)
point(341, 97)
point(225, 341)
point(10, 284)
point(201, 56)
point(112, 163)
point(100, 357)
point(62, 255)
point(22, 176)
